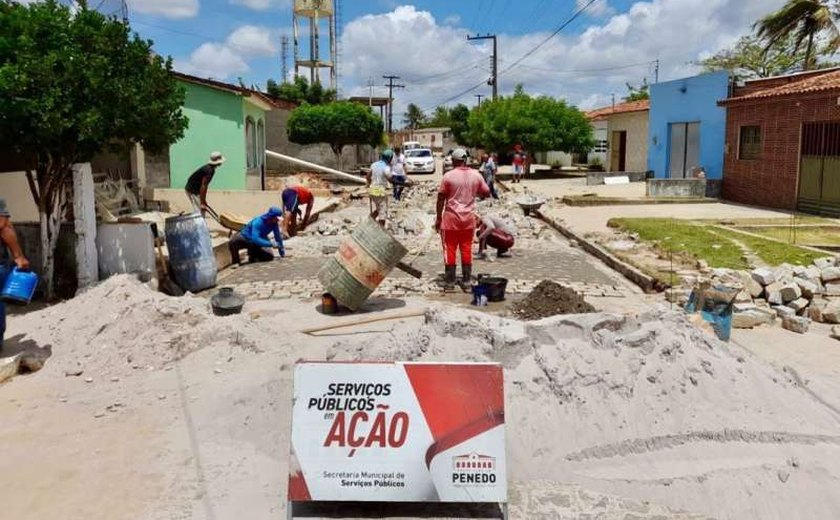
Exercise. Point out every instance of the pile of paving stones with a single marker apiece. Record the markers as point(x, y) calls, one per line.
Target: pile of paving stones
point(794, 294)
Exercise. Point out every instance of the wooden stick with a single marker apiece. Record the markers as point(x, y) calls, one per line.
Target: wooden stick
point(364, 321)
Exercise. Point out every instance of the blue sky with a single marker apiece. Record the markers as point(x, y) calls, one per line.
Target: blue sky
point(614, 42)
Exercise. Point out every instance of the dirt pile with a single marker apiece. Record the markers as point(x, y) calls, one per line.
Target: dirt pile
point(121, 327)
point(549, 299)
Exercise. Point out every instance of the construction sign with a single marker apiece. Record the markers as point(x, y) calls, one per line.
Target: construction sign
point(398, 432)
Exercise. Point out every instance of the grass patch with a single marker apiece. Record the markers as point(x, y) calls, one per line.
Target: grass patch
point(812, 236)
point(774, 253)
point(741, 222)
point(682, 237)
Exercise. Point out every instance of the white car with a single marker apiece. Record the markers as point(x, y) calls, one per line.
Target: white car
point(419, 160)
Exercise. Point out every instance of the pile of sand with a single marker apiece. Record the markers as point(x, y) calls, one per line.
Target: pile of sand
point(647, 407)
point(121, 326)
point(549, 299)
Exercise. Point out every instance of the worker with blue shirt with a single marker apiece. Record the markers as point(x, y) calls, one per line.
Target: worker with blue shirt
point(11, 255)
point(255, 237)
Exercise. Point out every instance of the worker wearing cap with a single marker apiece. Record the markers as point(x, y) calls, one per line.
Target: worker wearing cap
point(455, 216)
point(259, 234)
point(378, 179)
point(199, 181)
point(293, 197)
point(10, 253)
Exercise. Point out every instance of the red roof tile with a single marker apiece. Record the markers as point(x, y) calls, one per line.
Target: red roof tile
point(621, 108)
point(830, 80)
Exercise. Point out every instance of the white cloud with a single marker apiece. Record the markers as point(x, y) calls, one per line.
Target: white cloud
point(452, 19)
point(599, 8)
point(262, 5)
point(165, 8)
point(224, 60)
point(617, 49)
point(253, 41)
point(213, 60)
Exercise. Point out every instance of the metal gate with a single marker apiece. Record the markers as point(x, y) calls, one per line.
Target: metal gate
point(819, 169)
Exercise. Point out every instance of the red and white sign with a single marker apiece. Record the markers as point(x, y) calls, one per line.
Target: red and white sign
point(398, 432)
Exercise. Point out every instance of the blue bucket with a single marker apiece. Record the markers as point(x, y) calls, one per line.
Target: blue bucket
point(19, 287)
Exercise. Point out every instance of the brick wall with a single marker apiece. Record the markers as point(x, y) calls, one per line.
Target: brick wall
point(771, 180)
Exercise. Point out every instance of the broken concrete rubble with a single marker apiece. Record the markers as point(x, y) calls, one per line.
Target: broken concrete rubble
point(783, 311)
point(807, 288)
point(773, 293)
point(763, 276)
point(798, 305)
point(790, 292)
point(830, 274)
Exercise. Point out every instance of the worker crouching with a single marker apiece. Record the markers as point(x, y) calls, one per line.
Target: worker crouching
point(493, 231)
point(258, 236)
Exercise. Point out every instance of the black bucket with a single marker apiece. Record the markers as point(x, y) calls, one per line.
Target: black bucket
point(495, 287)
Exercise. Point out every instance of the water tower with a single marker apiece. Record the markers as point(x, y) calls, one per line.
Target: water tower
point(314, 11)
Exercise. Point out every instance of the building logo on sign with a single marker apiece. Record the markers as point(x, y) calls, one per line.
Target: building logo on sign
point(473, 469)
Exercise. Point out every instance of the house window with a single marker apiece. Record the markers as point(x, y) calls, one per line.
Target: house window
point(251, 142)
point(749, 143)
point(600, 146)
point(260, 143)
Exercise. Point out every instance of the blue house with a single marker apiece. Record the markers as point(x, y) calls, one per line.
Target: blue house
point(687, 127)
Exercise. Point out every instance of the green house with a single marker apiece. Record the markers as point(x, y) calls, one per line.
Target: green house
point(225, 118)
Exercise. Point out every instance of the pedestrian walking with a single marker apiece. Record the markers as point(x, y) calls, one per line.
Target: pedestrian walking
point(378, 178)
point(259, 234)
point(398, 176)
point(518, 163)
point(10, 254)
point(455, 220)
point(293, 198)
point(495, 232)
point(488, 170)
point(199, 182)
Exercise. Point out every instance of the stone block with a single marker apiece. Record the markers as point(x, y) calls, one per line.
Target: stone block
point(835, 332)
point(831, 313)
point(807, 288)
point(812, 273)
point(825, 262)
point(815, 310)
point(799, 271)
point(783, 311)
point(832, 289)
point(798, 305)
point(773, 293)
point(790, 292)
point(761, 302)
point(743, 297)
point(830, 274)
point(763, 276)
point(751, 318)
point(750, 285)
point(796, 324)
point(783, 273)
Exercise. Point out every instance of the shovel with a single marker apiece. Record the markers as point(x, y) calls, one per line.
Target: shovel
point(166, 284)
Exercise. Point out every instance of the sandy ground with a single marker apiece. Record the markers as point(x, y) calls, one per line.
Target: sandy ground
point(182, 415)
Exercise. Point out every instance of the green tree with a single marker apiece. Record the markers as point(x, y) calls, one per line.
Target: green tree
point(459, 124)
point(808, 22)
point(441, 117)
point(73, 84)
point(537, 123)
point(414, 117)
point(749, 58)
point(338, 124)
point(639, 93)
point(300, 91)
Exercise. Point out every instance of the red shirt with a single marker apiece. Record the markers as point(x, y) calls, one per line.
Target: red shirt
point(518, 158)
point(461, 186)
point(304, 195)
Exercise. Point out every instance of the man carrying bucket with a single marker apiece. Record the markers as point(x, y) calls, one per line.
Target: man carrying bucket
point(10, 251)
point(455, 220)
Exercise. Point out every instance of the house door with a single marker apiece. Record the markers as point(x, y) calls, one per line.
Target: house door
point(618, 153)
point(684, 150)
point(819, 169)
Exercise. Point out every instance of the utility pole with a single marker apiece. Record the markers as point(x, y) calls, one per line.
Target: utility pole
point(391, 86)
point(613, 102)
point(284, 52)
point(656, 71)
point(494, 64)
point(479, 96)
point(370, 91)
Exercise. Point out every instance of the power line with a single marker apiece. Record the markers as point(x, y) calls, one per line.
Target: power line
point(565, 24)
point(579, 71)
point(456, 96)
point(200, 36)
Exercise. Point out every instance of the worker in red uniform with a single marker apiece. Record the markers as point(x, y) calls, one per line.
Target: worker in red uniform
point(293, 197)
point(455, 219)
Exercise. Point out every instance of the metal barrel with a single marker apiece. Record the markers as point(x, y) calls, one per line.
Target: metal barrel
point(362, 261)
point(191, 255)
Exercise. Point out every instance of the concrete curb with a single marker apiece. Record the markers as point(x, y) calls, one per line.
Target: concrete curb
point(601, 201)
point(647, 283)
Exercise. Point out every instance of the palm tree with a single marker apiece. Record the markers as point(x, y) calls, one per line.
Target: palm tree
point(807, 20)
point(414, 116)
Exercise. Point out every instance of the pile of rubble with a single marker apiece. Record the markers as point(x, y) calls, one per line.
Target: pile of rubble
point(794, 294)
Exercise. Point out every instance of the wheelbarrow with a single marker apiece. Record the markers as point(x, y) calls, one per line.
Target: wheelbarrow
point(529, 204)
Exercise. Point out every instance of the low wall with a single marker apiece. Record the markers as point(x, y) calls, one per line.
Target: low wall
point(66, 278)
point(596, 178)
point(246, 203)
point(692, 188)
point(714, 188)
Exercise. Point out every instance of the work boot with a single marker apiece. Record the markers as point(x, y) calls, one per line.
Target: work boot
point(466, 277)
point(448, 277)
